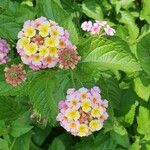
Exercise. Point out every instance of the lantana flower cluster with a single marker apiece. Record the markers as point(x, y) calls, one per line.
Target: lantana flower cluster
point(98, 27)
point(15, 74)
point(83, 111)
point(4, 50)
point(40, 42)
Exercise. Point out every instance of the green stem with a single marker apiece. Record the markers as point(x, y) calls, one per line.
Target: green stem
point(72, 78)
point(12, 145)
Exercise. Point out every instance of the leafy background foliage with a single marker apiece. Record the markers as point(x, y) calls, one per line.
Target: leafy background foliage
point(119, 65)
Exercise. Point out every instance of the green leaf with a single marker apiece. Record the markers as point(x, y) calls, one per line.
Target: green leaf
point(143, 53)
point(41, 95)
point(12, 16)
point(128, 99)
point(40, 135)
point(92, 9)
point(3, 144)
point(22, 142)
point(52, 9)
point(85, 143)
point(57, 144)
point(142, 89)
point(60, 142)
point(127, 107)
point(112, 53)
point(127, 3)
point(145, 13)
point(143, 120)
point(128, 19)
point(110, 90)
point(21, 125)
point(3, 129)
point(10, 109)
point(104, 142)
point(122, 32)
point(129, 117)
point(122, 4)
point(144, 31)
point(148, 146)
point(120, 135)
point(135, 145)
point(9, 90)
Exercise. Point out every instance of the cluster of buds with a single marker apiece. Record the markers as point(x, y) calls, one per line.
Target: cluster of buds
point(4, 49)
point(83, 111)
point(15, 74)
point(38, 117)
point(39, 44)
point(99, 27)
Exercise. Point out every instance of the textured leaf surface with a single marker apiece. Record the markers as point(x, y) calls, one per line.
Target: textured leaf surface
point(21, 125)
point(120, 135)
point(22, 142)
point(57, 145)
point(92, 9)
point(145, 13)
point(129, 117)
point(142, 89)
point(128, 19)
point(12, 16)
point(10, 109)
point(104, 142)
point(110, 90)
point(127, 107)
point(111, 53)
point(143, 120)
point(143, 53)
point(41, 94)
point(9, 90)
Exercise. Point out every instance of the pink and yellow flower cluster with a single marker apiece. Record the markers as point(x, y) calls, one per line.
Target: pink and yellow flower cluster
point(39, 43)
point(83, 111)
point(15, 74)
point(98, 28)
point(4, 49)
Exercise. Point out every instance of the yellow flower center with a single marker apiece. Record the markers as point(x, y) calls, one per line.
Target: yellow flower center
point(44, 30)
point(31, 49)
point(83, 130)
point(37, 58)
point(29, 31)
point(86, 105)
point(51, 42)
point(53, 51)
point(55, 32)
point(73, 114)
point(97, 112)
point(95, 125)
point(43, 51)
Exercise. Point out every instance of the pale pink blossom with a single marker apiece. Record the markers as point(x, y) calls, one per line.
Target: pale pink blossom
point(86, 26)
point(109, 31)
point(99, 27)
point(101, 23)
point(95, 89)
point(4, 50)
point(70, 91)
point(95, 28)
